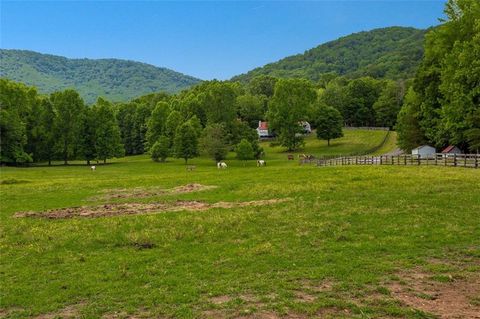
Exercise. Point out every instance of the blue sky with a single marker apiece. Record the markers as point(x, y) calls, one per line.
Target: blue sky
point(214, 39)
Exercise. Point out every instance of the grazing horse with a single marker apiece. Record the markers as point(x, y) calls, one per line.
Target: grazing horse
point(221, 165)
point(93, 167)
point(261, 163)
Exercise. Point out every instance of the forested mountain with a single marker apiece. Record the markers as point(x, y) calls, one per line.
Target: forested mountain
point(392, 53)
point(117, 80)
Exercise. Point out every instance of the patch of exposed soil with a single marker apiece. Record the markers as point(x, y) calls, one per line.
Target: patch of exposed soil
point(451, 299)
point(117, 209)
point(72, 311)
point(142, 192)
point(220, 299)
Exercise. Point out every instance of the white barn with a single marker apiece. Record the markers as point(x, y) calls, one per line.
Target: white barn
point(424, 151)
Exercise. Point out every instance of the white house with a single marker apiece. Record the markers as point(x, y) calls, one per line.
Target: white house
point(262, 130)
point(424, 151)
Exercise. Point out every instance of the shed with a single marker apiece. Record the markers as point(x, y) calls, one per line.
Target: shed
point(424, 151)
point(452, 149)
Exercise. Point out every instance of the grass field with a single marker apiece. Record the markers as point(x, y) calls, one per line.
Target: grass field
point(346, 242)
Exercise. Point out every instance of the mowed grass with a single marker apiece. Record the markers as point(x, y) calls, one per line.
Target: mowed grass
point(350, 228)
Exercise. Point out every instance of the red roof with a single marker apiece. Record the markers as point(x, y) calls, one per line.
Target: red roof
point(263, 125)
point(448, 149)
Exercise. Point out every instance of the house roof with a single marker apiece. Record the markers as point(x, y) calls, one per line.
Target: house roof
point(263, 125)
point(449, 148)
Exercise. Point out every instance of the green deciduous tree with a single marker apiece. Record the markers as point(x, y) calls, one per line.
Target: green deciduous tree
point(410, 134)
point(186, 142)
point(69, 109)
point(244, 151)
point(156, 124)
point(289, 106)
point(161, 149)
point(214, 142)
point(108, 142)
point(329, 123)
point(388, 104)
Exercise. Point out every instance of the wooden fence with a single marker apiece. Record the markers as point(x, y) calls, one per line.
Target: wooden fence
point(455, 160)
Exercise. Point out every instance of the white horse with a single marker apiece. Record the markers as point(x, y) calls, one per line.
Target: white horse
point(221, 165)
point(93, 168)
point(261, 163)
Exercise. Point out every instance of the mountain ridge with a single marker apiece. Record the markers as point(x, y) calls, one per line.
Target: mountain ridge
point(392, 52)
point(115, 79)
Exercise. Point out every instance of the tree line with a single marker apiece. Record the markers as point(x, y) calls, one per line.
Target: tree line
point(213, 117)
point(442, 106)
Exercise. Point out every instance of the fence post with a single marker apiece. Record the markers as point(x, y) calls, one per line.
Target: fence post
point(405, 160)
point(464, 160)
point(418, 159)
point(436, 158)
point(455, 159)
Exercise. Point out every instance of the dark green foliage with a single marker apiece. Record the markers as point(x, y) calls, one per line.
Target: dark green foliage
point(251, 109)
point(15, 101)
point(289, 106)
point(393, 53)
point(410, 134)
point(108, 142)
point(161, 149)
point(214, 142)
point(447, 82)
point(329, 123)
point(157, 122)
point(117, 80)
point(186, 142)
point(69, 109)
point(388, 104)
point(244, 150)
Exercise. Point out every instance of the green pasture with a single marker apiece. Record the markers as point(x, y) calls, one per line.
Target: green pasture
point(350, 228)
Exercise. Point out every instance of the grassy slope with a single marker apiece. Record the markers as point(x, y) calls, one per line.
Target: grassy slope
point(351, 226)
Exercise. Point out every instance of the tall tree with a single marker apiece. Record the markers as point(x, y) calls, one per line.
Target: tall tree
point(186, 142)
point(161, 149)
point(388, 104)
point(69, 109)
point(157, 122)
point(214, 142)
point(410, 133)
point(329, 123)
point(289, 106)
point(108, 142)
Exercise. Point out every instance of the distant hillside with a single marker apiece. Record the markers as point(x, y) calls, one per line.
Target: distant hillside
point(393, 53)
point(117, 80)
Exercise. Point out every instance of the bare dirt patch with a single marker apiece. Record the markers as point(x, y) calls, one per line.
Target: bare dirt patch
point(143, 192)
point(451, 299)
point(220, 299)
point(72, 311)
point(117, 209)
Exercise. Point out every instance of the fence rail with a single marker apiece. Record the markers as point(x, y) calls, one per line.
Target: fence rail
point(455, 160)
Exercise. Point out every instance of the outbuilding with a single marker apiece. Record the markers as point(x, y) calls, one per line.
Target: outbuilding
point(452, 150)
point(424, 151)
